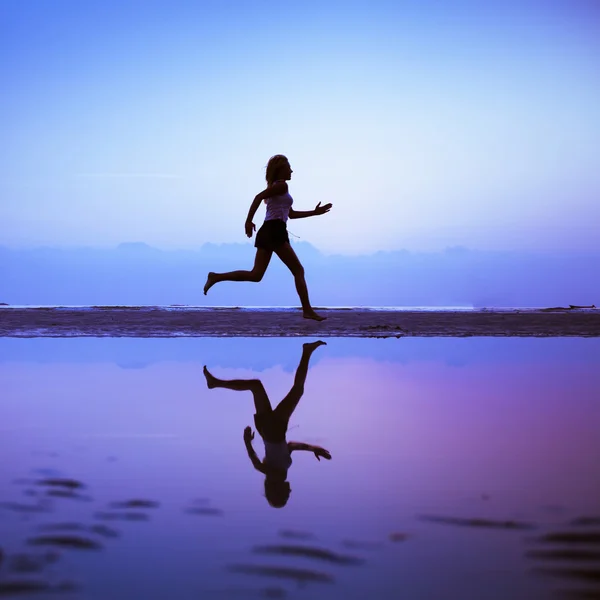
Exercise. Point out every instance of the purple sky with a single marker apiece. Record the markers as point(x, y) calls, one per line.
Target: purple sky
point(427, 124)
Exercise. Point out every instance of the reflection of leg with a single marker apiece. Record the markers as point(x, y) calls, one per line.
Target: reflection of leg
point(261, 400)
point(287, 406)
point(261, 262)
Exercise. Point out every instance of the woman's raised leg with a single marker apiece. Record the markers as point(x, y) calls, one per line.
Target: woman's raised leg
point(261, 262)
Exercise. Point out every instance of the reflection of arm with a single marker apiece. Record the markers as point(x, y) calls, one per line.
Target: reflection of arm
point(252, 456)
point(318, 450)
point(300, 446)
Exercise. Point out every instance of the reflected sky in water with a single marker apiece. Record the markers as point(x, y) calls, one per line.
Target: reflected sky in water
point(451, 459)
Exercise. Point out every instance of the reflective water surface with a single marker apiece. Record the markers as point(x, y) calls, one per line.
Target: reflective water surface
point(403, 468)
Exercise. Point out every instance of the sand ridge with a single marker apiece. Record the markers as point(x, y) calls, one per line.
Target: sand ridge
point(163, 321)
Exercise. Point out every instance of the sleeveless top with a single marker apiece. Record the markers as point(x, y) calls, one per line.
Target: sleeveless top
point(278, 207)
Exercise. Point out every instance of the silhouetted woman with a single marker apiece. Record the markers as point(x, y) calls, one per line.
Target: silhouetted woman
point(273, 236)
point(272, 426)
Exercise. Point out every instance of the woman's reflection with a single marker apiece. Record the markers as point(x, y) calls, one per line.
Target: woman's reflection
point(272, 425)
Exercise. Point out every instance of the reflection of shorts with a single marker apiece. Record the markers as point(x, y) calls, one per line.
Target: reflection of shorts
point(271, 235)
point(270, 427)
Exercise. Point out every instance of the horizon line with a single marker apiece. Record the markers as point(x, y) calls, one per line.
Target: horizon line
point(458, 248)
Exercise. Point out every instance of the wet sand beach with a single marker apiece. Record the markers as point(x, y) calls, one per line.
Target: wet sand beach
point(169, 321)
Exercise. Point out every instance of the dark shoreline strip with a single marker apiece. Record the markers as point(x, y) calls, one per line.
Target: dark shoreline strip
point(231, 322)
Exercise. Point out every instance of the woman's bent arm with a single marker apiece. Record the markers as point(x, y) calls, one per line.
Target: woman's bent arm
point(253, 208)
point(301, 214)
point(319, 210)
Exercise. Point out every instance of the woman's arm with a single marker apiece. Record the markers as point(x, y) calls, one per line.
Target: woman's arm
point(319, 210)
point(253, 208)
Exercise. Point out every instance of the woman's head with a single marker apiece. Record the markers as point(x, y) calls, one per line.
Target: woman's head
point(278, 167)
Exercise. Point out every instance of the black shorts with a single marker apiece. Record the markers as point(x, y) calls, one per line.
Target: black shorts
point(270, 427)
point(271, 235)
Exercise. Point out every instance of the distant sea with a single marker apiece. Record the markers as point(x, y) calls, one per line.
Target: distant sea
point(252, 308)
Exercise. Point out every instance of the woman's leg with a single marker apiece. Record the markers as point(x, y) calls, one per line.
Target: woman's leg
point(261, 262)
point(261, 400)
point(288, 256)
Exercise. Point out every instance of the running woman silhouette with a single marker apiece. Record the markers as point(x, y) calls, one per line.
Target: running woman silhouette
point(273, 236)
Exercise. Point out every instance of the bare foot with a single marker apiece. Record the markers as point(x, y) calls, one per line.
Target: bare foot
point(312, 346)
point(211, 381)
point(210, 281)
point(311, 314)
